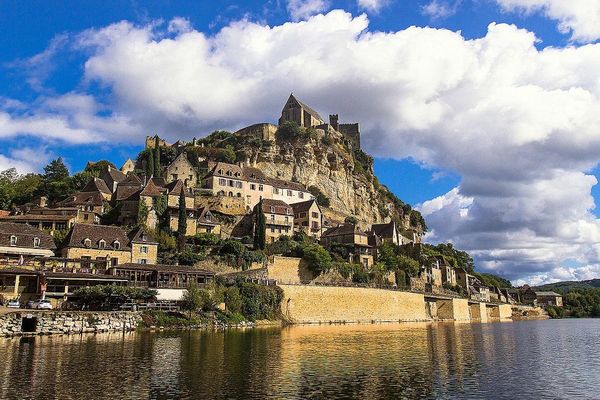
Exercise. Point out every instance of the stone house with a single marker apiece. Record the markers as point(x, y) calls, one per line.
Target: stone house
point(549, 299)
point(53, 219)
point(308, 218)
point(182, 169)
point(279, 218)
point(387, 232)
point(352, 235)
point(128, 197)
point(128, 166)
point(94, 197)
point(111, 177)
point(207, 223)
point(448, 272)
point(251, 184)
point(174, 190)
point(105, 246)
point(19, 242)
point(296, 111)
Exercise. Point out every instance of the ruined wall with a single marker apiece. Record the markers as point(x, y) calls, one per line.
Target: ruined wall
point(323, 304)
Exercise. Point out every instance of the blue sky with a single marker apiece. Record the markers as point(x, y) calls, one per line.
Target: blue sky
point(465, 118)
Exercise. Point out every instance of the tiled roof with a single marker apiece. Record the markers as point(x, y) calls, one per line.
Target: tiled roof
point(279, 207)
point(37, 217)
point(131, 179)
point(140, 235)
point(206, 217)
point(281, 184)
point(96, 185)
point(253, 174)
point(221, 169)
point(151, 190)
point(83, 198)
point(344, 229)
point(384, 230)
point(159, 181)
point(303, 206)
point(25, 236)
point(17, 270)
point(110, 175)
point(307, 108)
point(110, 234)
point(176, 187)
point(127, 192)
point(551, 294)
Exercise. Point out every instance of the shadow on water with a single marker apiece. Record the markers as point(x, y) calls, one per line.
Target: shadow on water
point(551, 359)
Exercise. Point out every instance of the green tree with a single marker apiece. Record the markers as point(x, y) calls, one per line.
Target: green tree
point(149, 164)
point(260, 226)
point(156, 156)
point(410, 266)
point(192, 299)
point(318, 259)
point(55, 180)
point(143, 211)
point(182, 221)
point(232, 299)
point(322, 200)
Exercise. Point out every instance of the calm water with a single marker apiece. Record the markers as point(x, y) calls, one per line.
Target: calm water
point(535, 359)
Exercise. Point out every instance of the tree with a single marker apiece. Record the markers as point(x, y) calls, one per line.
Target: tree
point(156, 156)
point(149, 164)
point(192, 299)
point(260, 227)
point(351, 220)
point(143, 211)
point(317, 258)
point(322, 200)
point(55, 171)
point(410, 266)
point(182, 221)
point(387, 254)
point(55, 180)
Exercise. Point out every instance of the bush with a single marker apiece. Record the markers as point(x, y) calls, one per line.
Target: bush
point(260, 302)
point(288, 131)
point(360, 276)
point(345, 269)
point(205, 239)
point(188, 257)
point(317, 258)
point(322, 200)
point(232, 299)
point(234, 247)
point(285, 245)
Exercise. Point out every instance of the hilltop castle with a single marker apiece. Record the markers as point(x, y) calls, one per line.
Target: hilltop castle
point(293, 111)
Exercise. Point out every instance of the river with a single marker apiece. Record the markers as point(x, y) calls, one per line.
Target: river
point(506, 360)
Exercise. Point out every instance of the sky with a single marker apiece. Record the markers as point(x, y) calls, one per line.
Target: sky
point(483, 114)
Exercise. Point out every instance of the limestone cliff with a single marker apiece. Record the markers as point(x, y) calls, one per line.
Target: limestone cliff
point(326, 160)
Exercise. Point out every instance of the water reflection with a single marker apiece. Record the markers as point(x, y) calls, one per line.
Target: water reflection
point(551, 359)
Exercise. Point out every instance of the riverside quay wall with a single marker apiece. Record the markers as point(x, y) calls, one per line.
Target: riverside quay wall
point(66, 322)
point(314, 304)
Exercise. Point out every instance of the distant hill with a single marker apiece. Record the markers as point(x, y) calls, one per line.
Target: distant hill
point(567, 286)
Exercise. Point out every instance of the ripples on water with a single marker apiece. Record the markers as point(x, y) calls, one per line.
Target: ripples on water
point(532, 359)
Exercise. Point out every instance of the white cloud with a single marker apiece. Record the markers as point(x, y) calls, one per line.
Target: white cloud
point(372, 5)
point(302, 9)
point(581, 18)
point(440, 9)
point(25, 159)
point(520, 126)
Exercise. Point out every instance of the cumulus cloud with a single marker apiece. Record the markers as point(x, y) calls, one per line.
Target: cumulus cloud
point(302, 9)
point(372, 5)
point(521, 126)
point(440, 9)
point(581, 18)
point(25, 159)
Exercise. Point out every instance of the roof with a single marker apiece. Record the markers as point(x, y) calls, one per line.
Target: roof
point(549, 294)
point(176, 187)
point(222, 168)
point(83, 198)
point(181, 157)
point(127, 192)
point(384, 230)
point(163, 268)
point(307, 108)
point(81, 275)
point(304, 206)
point(279, 207)
point(344, 229)
point(131, 179)
point(17, 270)
point(159, 181)
point(37, 217)
point(96, 185)
point(281, 184)
point(140, 235)
point(206, 217)
point(151, 190)
point(112, 174)
point(25, 236)
point(110, 234)
point(253, 174)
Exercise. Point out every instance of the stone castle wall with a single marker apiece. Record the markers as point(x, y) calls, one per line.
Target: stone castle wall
point(316, 304)
point(47, 323)
point(289, 270)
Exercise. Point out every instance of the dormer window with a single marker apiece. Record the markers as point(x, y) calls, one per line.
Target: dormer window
point(220, 172)
point(237, 174)
point(272, 209)
point(102, 244)
point(144, 237)
point(229, 173)
point(13, 240)
point(36, 242)
point(87, 242)
point(116, 245)
point(253, 176)
point(287, 211)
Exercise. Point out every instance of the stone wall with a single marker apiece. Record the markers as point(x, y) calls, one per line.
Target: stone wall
point(324, 304)
point(501, 311)
point(47, 323)
point(453, 309)
point(479, 312)
point(289, 270)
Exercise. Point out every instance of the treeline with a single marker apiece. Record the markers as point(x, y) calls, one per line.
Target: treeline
point(578, 303)
point(55, 183)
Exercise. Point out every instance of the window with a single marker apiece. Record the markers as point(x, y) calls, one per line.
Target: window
point(272, 217)
point(222, 181)
point(315, 215)
point(302, 215)
point(117, 245)
point(220, 172)
point(102, 244)
point(87, 243)
point(238, 184)
point(86, 217)
point(114, 261)
point(85, 261)
point(13, 240)
point(287, 219)
point(230, 182)
point(260, 188)
point(209, 229)
point(144, 249)
point(301, 195)
point(174, 177)
point(36, 242)
point(290, 193)
point(288, 211)
point(275, 190)
point(272, 209)
point(252, 186)
point(142, 261)
point(229, 173)
point(239, 194)
point(272, 229)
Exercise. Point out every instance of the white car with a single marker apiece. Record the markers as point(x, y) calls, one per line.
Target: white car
point(13, 304)
point(42, 305)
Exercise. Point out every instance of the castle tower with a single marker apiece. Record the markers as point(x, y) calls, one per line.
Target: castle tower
point(333, 121)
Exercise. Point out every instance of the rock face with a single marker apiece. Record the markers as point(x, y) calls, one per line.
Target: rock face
point(326, 160)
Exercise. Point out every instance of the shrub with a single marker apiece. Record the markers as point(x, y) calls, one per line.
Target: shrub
point(232, 299)
point(205, 239)
point(260, 302)
point(345, 269)
point(288, 131)
point(360, 276)
point(188, 257)
point(322, 200)
point(317, 258)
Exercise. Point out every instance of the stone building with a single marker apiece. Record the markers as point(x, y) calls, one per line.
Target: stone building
point(174, 190)
point(94, 197)
point(296, 111)
point(19, 242)
point(207, 223)
point(106, 246)
point(251, 184)
point(53, 219)
point(352, 235)
point(308, 218)
point(387, 232)
point(182, 169)
point(264, 131)
point(279, 219)
point(128, 166)
point(111, 177)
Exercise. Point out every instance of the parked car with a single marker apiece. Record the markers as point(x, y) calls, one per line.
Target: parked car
point(14, 303)
point(29, 304)
point(42, 305)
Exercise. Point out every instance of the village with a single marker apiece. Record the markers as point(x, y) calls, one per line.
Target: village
point(120, 227)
